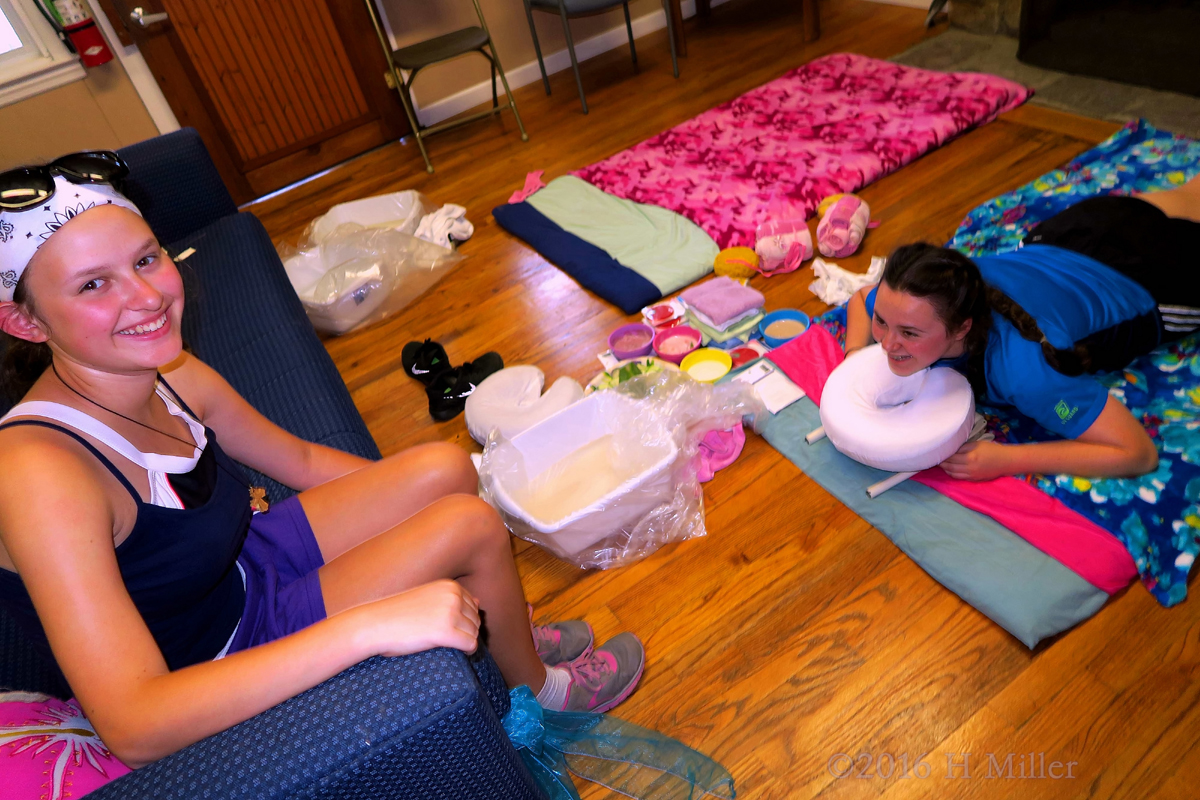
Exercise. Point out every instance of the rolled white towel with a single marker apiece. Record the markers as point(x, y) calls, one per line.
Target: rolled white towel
point(448, 222)
point(835, 285)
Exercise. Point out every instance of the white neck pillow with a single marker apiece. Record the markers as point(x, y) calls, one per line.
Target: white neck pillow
point(894, 423)
point(511, 400)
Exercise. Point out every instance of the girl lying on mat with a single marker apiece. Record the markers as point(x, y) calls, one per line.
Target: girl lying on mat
point(130, 551)
point(1092, 288)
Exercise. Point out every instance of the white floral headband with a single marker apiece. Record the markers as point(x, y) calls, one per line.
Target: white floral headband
point(23, 232)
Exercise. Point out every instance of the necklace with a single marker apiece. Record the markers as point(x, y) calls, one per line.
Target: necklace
point(258, 495)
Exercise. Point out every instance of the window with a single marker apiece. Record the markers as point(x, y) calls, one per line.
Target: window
point(9, 40)
point(32, 59)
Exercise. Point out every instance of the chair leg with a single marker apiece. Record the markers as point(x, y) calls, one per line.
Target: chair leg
point(629, 28)
point(512, 103)
point(562, 10)
point(495, 99)
point(406, 99)
point(671, 36)
point(398, 79)
point(537, 48)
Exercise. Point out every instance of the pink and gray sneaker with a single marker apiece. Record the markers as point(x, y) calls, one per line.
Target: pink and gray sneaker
point(561, 642)
point(604, 678)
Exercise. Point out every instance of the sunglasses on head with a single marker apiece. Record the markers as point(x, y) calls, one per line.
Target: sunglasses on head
point(26, 187)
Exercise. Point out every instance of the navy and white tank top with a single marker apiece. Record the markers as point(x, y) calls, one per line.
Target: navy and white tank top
point(179, 563)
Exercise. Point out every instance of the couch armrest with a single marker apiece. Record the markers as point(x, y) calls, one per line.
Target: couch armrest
point(174, 182)
point(418, 726)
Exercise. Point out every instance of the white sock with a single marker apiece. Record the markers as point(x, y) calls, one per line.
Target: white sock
point(554, 691)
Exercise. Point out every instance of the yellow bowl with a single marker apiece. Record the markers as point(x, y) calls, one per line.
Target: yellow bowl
point(708, 364)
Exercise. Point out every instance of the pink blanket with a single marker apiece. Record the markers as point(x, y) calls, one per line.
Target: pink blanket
point(1046, 523)
point(833, 125)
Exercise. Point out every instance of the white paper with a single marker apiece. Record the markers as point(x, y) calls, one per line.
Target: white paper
point(608, 360)
point(755, 372)
point(777, 392)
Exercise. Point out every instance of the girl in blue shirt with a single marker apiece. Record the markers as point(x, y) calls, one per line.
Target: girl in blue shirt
point(1092, 288)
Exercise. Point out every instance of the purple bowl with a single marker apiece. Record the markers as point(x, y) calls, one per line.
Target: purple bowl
point(634, 331)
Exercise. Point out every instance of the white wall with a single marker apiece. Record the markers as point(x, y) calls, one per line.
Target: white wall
point(451, 88)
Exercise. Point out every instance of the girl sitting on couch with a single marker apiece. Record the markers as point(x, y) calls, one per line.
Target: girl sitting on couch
point(129, 549)
point(1091, 289)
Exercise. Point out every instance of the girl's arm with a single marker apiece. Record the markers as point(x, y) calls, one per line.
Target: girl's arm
point(1114, 445)
point(858, 321)
point(251, 438)
point(60, 539)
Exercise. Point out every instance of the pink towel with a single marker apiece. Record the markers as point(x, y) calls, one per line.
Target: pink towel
point(719, 449)
point(722, 299)
point(533, 182)
point(808, 359)
point(1058, 531)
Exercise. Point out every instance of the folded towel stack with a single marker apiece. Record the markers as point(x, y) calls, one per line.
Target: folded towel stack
point(723, 310)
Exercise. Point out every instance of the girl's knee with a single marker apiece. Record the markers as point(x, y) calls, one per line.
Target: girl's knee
point(449, 466)
point(473, 519)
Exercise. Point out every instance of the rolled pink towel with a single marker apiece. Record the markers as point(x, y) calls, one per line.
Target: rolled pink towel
point(717, 450)
point(782, 245)
point(841, 229)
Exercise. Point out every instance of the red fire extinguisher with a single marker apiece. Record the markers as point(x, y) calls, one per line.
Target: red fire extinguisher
point(81, 30)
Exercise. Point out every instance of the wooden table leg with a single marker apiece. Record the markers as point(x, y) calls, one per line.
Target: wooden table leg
point(812, 20)
point(677, 21)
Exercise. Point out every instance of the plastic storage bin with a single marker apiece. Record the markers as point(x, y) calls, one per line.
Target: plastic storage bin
point(543, 446)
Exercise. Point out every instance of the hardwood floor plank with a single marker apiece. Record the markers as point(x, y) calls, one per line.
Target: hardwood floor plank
point(1047, 119)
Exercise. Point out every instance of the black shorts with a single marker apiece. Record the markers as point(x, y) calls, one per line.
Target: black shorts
point(1137, 239)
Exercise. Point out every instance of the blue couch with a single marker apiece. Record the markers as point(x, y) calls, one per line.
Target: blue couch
point(426, 725)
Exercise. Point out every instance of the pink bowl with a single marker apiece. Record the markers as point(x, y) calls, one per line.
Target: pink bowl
point(638, 331)
point(685, 341)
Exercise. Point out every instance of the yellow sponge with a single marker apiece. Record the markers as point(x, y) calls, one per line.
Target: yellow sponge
point(827, 202)
point(736, 262)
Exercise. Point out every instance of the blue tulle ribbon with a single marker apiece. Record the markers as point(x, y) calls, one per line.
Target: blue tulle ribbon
point(624, 757)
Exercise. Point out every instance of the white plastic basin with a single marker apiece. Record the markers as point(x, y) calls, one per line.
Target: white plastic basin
point(545, 445)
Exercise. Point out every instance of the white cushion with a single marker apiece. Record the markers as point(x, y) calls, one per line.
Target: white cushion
point(511, 401)
point(898, 424)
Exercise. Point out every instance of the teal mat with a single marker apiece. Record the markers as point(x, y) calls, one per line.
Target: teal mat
point(1019, 587)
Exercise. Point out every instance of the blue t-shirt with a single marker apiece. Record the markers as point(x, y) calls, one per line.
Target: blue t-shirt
point(1071, 296)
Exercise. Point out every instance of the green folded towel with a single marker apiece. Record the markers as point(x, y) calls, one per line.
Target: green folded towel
point(738, 331)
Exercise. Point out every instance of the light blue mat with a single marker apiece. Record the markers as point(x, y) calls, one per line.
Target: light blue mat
point(1019, 587)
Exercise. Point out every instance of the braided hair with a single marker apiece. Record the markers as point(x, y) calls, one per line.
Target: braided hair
point(952, 283)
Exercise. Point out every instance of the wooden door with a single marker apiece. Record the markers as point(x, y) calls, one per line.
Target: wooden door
point(277, 90)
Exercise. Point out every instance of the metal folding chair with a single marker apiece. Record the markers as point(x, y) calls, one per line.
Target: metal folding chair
point(583, 8)
point(416, 57)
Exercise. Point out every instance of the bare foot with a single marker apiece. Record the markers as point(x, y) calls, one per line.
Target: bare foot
point(1183, 202)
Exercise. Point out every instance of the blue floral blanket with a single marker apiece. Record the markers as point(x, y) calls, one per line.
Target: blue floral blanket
point(1156, 516)
point(1137, 158)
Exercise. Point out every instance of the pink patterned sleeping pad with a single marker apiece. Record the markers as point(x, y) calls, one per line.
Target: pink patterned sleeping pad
point(833, 125)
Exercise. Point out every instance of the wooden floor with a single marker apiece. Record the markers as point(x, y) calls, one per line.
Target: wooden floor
point(794, 631)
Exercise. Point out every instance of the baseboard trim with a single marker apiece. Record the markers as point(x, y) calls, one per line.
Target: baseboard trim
point(528, 73)
point(910, 3)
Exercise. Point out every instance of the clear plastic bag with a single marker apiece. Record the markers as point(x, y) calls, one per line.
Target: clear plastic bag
point(360, 262)
point(612, 478)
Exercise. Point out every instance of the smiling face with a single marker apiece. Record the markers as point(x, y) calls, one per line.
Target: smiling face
point(104, 293)
point(912, 333)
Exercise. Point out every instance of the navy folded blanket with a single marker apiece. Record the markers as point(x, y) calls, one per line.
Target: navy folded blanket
point(593, 268)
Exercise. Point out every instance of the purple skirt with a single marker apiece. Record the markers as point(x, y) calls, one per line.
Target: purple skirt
point(283, 591)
